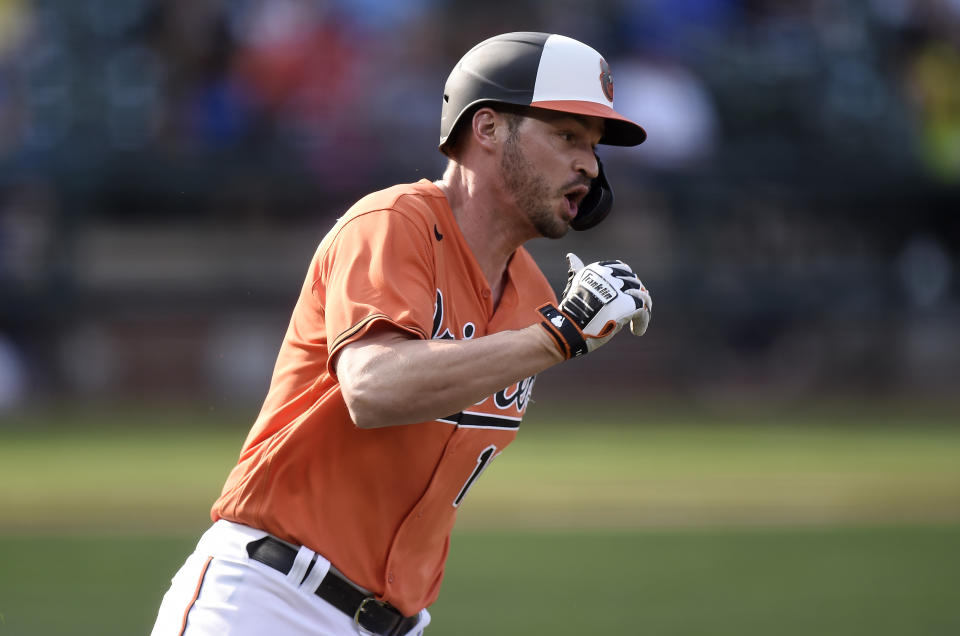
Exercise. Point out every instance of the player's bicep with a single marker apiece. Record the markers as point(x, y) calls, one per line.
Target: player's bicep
point(360, 356)
point(361, 366)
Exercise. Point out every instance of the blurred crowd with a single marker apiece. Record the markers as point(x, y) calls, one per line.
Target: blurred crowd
point(803, 167)
point(344, 81)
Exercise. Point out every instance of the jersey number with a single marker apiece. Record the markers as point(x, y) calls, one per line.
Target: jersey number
point(482, 462)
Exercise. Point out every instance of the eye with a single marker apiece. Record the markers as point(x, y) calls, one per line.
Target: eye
point(566, 135)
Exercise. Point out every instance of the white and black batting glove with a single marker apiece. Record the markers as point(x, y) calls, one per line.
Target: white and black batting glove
point(598, 301)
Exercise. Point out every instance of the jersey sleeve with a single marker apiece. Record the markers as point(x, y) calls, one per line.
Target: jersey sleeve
point(378, 267)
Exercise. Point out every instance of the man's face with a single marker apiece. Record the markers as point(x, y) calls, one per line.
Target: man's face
point(547, 165)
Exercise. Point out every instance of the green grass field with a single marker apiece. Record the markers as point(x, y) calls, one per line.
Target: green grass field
point(824, 522)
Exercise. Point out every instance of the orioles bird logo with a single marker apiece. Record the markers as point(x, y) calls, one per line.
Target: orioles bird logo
point(606, 80)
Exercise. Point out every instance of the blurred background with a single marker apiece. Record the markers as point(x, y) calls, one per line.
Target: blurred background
point(784, 438)
point(168, 168)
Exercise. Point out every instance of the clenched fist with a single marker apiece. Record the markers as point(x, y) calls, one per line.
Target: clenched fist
point(598, 301)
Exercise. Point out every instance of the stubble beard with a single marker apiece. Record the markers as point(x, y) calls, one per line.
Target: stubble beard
point(530, 191)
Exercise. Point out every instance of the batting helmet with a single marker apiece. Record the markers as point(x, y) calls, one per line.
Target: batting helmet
point(541, 70)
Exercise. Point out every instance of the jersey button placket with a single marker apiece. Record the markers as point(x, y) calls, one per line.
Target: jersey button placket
point(487, 301)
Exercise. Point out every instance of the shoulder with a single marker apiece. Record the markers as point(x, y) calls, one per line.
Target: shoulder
point(408, 209)
point(418, 201)
point(393, 223)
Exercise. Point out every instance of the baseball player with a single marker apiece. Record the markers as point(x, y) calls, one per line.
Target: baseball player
point(411, 355)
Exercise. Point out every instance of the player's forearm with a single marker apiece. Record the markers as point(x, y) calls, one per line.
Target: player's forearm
point(394, 382)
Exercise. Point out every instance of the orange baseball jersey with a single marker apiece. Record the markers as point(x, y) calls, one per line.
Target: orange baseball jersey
point(380, 503)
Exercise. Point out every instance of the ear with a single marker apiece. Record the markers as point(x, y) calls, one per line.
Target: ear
point(484, 127)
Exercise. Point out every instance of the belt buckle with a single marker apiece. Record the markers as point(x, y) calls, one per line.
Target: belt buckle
point(356, 616)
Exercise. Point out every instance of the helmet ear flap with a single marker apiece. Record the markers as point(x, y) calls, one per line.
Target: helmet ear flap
point(597, 204)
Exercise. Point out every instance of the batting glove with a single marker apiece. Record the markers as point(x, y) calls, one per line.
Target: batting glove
point(598, 301)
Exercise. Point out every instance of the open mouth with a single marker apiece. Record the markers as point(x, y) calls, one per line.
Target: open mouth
point(574, 196)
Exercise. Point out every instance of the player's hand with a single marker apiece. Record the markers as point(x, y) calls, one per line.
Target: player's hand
point(598, 301)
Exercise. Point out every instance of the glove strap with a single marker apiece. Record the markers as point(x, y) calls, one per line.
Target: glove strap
point(568, 336)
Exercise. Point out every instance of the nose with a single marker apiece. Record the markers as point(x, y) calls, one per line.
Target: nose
point(586, 164)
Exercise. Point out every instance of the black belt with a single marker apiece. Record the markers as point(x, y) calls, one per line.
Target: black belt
point(376, 617)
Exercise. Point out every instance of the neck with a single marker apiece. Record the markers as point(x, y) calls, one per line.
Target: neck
point(486, 220)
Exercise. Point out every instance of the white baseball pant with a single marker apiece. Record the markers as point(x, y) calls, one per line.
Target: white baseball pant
point(221, 591)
